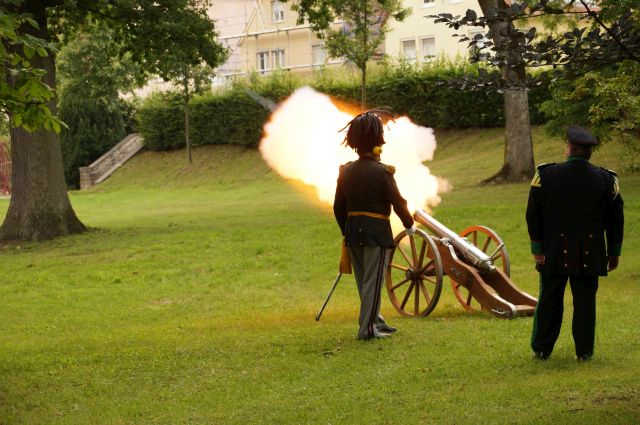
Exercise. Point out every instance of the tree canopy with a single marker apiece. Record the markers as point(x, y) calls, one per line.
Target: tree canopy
point(601, 36)
point(160, 36)
point(23, 94)
point(361, 29)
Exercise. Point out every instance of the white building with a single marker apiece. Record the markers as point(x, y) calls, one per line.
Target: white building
point(419, 38)
point(263, 35)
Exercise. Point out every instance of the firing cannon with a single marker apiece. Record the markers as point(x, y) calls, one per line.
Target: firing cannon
point(476, 261)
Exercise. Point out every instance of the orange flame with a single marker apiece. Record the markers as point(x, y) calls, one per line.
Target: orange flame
point(302, 142)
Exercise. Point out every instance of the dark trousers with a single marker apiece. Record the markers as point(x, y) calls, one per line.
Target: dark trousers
point(369, 267)
point(548, 316)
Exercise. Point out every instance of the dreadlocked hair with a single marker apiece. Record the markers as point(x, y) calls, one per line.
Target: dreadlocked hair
point(366, 131)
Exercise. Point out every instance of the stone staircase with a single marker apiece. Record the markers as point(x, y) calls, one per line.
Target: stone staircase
point(104, 166)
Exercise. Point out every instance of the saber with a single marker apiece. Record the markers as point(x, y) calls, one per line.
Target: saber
point(329, 296)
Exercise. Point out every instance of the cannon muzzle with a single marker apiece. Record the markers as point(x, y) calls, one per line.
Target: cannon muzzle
point(470, 252)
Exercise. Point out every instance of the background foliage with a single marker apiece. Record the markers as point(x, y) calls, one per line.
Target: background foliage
point(230, 118)
point(91, 74)
point(413, 90)
point(607, 101)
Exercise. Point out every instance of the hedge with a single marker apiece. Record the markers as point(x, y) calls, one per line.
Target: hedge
point(95, 125)
point(233, 118)
point(418, 92)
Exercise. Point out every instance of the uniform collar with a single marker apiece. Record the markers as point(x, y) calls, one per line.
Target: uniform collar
point(370, 156)
point(576, 158)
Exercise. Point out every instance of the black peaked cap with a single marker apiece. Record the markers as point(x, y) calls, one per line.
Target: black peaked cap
point(580, 136)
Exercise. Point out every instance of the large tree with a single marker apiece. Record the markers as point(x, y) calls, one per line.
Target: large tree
point(148, 30)
point(608, 35)
point(504, 37)
point(361, 32)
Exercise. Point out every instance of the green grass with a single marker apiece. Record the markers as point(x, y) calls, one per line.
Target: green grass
point(193, 297)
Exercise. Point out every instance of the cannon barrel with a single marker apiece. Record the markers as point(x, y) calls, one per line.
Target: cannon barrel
point(469, 251)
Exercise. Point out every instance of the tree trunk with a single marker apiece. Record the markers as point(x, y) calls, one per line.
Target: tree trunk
point(187, 140)
point(363, 87)
point(519, 152)
point(518, 148)
point(39, 207)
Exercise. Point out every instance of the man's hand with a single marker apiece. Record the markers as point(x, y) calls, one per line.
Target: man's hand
point(411, 230)
point(539, 259)
point(613, 263)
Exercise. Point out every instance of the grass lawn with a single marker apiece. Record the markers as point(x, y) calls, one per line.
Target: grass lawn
point(192, 300)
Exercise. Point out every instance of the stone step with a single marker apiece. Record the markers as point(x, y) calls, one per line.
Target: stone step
point(104, 166)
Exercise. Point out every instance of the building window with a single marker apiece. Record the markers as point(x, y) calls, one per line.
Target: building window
point(319, 55)
point(409, 50)
point(263, 62)
point(277, 58)
point(428, 3)
point(454, 1)
point(427, 48)
point(277, 11)
point(475, 35)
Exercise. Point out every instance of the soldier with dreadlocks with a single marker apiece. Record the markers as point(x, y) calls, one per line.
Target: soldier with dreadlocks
point(365, 193)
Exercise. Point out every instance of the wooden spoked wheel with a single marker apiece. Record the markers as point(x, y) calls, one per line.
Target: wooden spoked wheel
point(487, 241)
point(414, 275)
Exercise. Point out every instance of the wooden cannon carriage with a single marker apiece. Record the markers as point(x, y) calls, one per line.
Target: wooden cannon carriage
point(476, 262)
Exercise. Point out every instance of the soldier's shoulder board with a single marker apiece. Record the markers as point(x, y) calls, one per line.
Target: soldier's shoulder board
point(342, 167)
point(616, 186)
point(390, 168)
point(535, 182)
point(546, 164)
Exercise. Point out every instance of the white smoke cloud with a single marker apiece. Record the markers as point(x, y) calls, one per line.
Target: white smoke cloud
point(302, 142)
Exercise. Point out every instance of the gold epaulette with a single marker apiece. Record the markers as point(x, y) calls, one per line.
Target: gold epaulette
point(535, 182)
point(616, 185)
point(390, 168)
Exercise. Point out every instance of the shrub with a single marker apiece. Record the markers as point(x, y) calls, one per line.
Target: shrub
point(233, 117)
point(94, 127)
point(228, 118)
point(606, 101)
point(91, 73)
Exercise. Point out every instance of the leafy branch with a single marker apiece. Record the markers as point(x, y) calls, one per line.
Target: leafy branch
point(24, 97)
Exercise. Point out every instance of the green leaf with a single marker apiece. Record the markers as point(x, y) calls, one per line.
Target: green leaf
point(28, 50)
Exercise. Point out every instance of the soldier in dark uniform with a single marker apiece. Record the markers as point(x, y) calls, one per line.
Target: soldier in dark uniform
point(575, 221)
point(365, 192)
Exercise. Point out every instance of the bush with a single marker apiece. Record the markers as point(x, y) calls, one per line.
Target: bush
point(229, 118)
point(606, 101)
point(232, 117)
point(420, 92)
point(94, 127)
point(91, 73)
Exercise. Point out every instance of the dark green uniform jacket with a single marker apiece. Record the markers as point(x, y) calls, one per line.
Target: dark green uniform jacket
point(571, 207)
point(367, 185)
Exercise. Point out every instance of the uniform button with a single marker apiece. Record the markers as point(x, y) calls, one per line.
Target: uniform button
point(561, 234)
point(565, 264)
point(585, 266)
point(586, 253)
point(565, 251)
point(590, 236)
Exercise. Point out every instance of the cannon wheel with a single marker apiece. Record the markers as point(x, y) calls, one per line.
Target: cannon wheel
point(414, 275)
point(487, 240)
